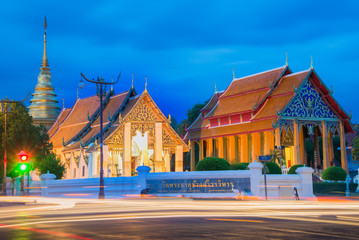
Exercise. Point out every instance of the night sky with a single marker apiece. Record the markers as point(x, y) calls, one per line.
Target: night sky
point(183, 47)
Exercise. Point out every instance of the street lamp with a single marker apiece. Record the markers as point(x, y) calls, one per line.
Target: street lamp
point(101, 92)
point(6, 107)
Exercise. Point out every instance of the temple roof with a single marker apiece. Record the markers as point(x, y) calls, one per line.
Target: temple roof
point(264, 95)
point(79, 126)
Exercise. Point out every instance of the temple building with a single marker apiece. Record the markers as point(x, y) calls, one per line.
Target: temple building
point(44, 105)
point(268, 111)
point(136, 133)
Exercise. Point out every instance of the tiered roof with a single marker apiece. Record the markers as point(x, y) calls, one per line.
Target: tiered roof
point(79, 126)
point(252, 104)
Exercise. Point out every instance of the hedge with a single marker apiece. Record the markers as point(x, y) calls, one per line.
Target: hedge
point(239, 166)
point(212, 164)
point(334, 173)
point(332, 188)
point(293, 168)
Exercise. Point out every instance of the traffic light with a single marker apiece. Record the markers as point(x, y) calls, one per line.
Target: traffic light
point(23, 157)
point(24, 167)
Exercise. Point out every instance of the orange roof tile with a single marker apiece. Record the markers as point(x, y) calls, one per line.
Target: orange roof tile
point(270, 107)
point(286, 84)
point(237, 104)
point(254, 82)
point(63, 114)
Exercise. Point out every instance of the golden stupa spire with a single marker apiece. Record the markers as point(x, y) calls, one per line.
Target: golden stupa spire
point(132, 82)
point(44, 57)
point(234, 76)
point(286, 58)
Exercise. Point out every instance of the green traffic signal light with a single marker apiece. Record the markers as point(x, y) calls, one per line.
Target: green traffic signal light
point(23, 167)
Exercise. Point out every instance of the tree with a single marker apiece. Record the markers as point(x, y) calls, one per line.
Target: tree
point(51, 163)
point(355, 151)
point(21, 135)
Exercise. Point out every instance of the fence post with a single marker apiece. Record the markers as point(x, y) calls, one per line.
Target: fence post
point(306, 181)
point(255, 169)
point(142, 177)
point(45, 180)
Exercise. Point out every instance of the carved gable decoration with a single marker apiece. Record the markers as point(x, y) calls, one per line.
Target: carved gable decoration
point(142, 113)
point(143, 128)
point(308, 103)
point(167, 139)
point(117, 138)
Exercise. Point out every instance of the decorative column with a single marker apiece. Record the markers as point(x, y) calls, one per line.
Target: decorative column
point(232, 149)
point(326, 162)
point(127, 150)
point(244, 148)
point(179, 159)
point(316, 148)
point(302, 146)
point(209, 148)
point(220, 147)
point(167, 161)
point(296, 159)
point(200, 145)
point(256, 145)
point(343, 148)
point(193, 156)
point(268, 142)
point(331, 148)
point(277, 137)
point(158, 146)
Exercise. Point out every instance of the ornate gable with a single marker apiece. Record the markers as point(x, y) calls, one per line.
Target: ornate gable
point(307, 103)
point(142, 113)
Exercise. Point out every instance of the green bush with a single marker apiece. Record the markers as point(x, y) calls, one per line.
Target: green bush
point(293, 168)
point(239, 166)
point(212, 164)
point(334, 173)
point(332, 188)
point(273, 168)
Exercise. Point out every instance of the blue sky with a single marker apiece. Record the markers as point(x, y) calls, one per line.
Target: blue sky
point(184, 47)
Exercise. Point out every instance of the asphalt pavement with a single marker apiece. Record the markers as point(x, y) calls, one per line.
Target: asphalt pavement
point(41, 218)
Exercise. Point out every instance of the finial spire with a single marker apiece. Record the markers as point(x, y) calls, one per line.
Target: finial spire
point(63, 103)
point(234, 76)
point(286, 58)
point(77, 93)
point(146, 83)
point(111, 84)
point(132, 81)
point(45, 63)
point(311, 62)
point(215, 86)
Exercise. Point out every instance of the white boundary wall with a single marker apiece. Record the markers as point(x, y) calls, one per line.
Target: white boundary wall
point(279, 186)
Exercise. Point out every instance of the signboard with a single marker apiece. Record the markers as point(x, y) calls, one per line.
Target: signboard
point(209, 185)
point(264, 158)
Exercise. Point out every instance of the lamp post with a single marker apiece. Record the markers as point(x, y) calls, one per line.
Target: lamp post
point(6, 107)
point(101, 92)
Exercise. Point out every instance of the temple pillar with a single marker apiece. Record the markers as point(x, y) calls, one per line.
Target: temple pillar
point(331, 149)
point(231, 143)
point(326, 162)
point(277, 137)
point(343, 148)
point(179, 159)
point(244, 148)
point(167, 161)
point(316, 149)
point(200, 145)
point(158, 147)
point(220, 147)
point(301, 145)
point(192, 156)
point(268, 142)
point(209, 148)
point(127, 150)
point(256, 146)
point(296, 158)
point(237, 142)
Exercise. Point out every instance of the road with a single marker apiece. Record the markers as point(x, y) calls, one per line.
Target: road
point(178, 219)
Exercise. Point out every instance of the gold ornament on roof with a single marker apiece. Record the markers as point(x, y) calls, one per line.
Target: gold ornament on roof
point(169, 118)
point(233, 74)
point(286, 58)
point(311, 62)
point(132, 82)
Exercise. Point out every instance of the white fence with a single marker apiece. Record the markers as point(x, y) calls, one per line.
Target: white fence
point(188, 184)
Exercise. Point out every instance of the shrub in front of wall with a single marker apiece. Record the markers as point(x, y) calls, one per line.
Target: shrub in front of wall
point(334, 173)
point(293, 168)
point(212, 164)
point(273, 168)
point(239, 166)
